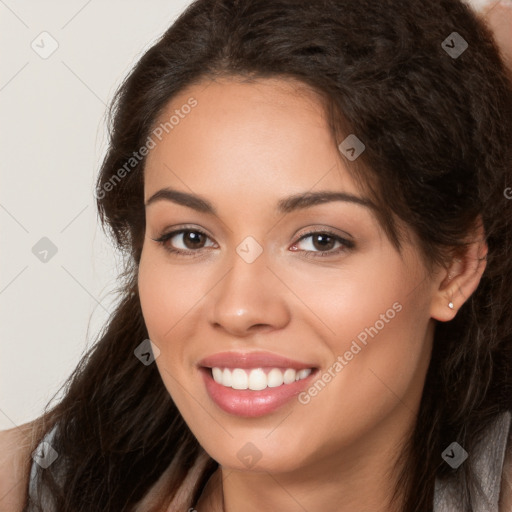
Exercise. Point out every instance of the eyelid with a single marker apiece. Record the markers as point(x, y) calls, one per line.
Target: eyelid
point(347, 243)
point(328, 230)
point(307, 231)
point(180, 228)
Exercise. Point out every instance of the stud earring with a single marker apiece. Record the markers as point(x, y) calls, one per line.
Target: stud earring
point(450, 305)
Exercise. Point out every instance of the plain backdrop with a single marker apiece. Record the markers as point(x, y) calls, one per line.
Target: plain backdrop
point(52, 140)
point(61, 63)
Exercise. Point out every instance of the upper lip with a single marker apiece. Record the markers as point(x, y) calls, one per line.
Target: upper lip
point(251, 360)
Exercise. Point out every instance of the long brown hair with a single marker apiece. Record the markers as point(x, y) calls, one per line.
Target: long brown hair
point(437, 129)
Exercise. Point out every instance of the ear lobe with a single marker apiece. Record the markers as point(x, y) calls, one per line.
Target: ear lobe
point(460, 279)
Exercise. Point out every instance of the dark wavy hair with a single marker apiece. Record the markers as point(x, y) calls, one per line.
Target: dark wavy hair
point(438, 156)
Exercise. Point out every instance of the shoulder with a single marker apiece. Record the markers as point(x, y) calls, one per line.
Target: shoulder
point(15, 460)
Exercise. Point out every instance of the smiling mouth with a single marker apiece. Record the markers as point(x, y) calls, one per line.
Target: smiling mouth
point(254, 391)
point(257, 379)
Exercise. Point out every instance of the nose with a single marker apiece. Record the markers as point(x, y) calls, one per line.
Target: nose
point(249, 299)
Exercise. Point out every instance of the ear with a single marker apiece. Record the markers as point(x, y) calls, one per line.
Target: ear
point(455, 282)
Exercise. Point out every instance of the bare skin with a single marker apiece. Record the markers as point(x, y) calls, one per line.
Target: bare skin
point(16, 453)
point(244, 147)
point(15, 450)
point(498, 16)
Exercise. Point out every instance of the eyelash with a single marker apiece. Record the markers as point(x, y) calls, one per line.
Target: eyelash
point(346, 245)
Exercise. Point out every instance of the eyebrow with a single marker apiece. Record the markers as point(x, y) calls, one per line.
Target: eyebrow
point(285, 205)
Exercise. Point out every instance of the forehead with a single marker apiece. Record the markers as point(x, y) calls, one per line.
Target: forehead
point(254, 136)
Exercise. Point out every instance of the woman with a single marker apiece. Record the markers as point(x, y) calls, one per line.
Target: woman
point(314, 200)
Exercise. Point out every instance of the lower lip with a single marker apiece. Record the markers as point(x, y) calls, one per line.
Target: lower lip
point(251, 404)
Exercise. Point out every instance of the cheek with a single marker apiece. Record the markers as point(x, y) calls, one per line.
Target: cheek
point(171, 299)
point(346, 300)
point(167, 295)
point(374, 323)
point(154, 296)
point(382, 367)
point(165, 301)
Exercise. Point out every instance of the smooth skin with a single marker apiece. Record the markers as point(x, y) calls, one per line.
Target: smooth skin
point(498, 16)
point(244, 147)
point(15, 449)
point(15, 463)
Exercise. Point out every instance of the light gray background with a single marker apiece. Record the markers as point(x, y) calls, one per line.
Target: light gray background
point(52, 142)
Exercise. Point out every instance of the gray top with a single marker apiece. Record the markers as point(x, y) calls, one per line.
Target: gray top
point(37, 467)
point(488, 458)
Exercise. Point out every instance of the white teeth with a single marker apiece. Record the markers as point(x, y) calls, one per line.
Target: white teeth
point(302, 374)
point(217, 374)
point(240, 379)
point(289, 376)
point(256, 379)
point(226, 377)
point(275, 378)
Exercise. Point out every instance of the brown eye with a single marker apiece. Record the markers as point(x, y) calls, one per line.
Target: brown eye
point(184, 241)
point(193, 239)
point(322, 244)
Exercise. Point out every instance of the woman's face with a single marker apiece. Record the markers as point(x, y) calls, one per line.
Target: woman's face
point(262, 273)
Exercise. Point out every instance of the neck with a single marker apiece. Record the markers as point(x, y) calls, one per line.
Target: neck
point(358, 477)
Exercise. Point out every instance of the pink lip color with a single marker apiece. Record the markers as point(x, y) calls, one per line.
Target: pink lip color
point(251, 360)
point(251, 404)
point(244, 402)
